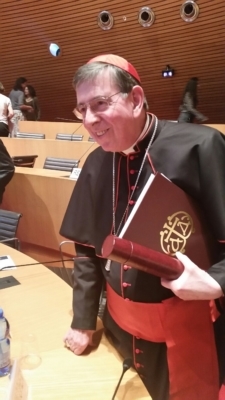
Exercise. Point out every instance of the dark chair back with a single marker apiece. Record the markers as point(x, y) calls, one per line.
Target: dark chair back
point(9, 221)
point(61, 164)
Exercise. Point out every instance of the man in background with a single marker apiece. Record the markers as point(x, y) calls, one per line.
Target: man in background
point(188, 111)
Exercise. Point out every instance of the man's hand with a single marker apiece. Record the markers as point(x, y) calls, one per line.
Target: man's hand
point(77, 340)
point(194, 283)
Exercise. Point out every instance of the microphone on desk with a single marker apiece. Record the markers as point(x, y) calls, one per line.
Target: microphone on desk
point(72, 120)
point(76, 165)
point(76, 130)
point(66, 119)
point(86, 152)
point(127, 364)
point(37, 263)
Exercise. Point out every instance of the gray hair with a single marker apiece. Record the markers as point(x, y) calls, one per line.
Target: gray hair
point(123, 80)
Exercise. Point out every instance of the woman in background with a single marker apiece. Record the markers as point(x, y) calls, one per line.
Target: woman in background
point(6, 112)
point(17, 99)
point(30, 99)
point(189, 103)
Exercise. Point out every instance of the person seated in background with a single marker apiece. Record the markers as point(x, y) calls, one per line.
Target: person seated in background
point(174, 352)
point(30, 99)
point(6, 112)
point(6, 169)
point(189, 103)
point(17, 99)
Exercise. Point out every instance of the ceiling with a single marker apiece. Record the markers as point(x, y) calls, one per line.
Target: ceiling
point(190, 48)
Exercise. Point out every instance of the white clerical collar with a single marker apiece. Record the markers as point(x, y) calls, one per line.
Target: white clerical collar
point(143, 133)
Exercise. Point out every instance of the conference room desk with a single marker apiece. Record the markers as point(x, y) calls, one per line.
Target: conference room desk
point(42, 196)
point(41, 304)
point(219, 127)
point(49, 148)
point(50, 129)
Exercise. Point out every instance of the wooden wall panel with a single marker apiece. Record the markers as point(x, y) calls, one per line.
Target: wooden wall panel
point(192, 49)
point(49, 148)
point(51, 129)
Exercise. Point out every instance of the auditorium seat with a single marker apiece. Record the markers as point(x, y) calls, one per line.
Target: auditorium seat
point(24, 161)
point(27, 135)
point(61, 164)
point(64, 136)
point(9, 221)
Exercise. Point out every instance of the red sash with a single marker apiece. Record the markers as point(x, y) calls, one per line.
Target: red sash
point(187, 329)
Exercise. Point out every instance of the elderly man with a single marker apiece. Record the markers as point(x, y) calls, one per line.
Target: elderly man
point(176, 360)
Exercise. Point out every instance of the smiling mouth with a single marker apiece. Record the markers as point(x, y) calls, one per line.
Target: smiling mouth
point(101, 133)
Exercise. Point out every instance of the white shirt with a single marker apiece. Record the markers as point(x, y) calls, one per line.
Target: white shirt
point(143, 133)
point(4, 104)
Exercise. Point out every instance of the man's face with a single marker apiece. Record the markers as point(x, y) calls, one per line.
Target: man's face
point(114, 127)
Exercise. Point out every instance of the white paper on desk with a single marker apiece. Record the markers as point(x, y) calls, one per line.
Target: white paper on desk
point(6, 261)
point(18, 388)
point(75, 173)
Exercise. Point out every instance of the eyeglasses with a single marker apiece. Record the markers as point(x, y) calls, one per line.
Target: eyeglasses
point(97, 105)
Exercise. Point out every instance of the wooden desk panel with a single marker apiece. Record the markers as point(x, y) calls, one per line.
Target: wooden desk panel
point(219, 127)
point(42, 197)
point(49, 148)
point(41, 304)
point(50, 129)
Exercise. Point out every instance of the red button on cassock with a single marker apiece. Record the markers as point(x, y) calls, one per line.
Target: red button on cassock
point(125, 284)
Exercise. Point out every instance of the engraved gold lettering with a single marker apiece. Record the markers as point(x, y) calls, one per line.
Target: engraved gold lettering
point(176, 230)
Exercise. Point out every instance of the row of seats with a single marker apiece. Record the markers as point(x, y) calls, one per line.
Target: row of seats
point(59, 136)
point(60, 164)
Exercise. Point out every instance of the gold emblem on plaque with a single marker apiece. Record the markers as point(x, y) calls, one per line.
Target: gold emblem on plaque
point(177, 229)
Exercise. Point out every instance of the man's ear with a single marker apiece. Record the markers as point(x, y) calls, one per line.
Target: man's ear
point(138, 99)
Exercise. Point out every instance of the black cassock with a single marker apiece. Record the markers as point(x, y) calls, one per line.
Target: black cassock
point(191, 156)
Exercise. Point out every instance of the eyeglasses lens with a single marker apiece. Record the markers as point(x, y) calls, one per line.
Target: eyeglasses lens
point(97, 105)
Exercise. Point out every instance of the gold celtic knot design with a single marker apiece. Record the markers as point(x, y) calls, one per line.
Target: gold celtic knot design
point(177, 229)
